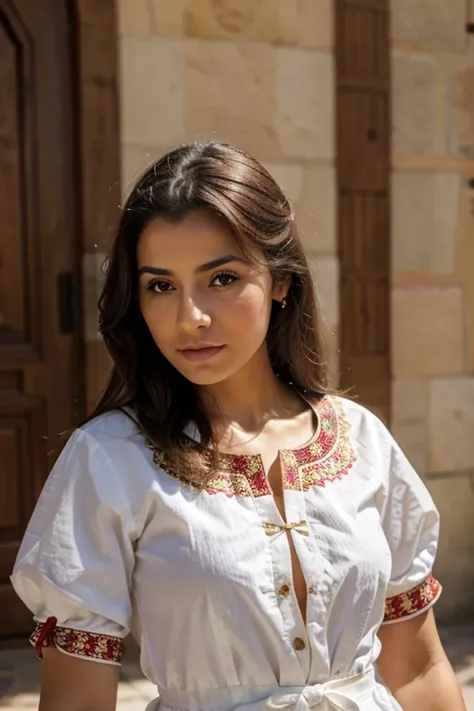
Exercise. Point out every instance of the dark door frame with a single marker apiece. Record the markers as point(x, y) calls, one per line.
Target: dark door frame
point(94, 24)
point(362, 41)
point(90, 77)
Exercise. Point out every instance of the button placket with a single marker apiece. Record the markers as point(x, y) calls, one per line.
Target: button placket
point(296, 510)
point(299, 644)
point(293, 623)
point(284, 591)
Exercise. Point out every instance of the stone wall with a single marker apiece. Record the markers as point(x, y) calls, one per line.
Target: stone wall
point(260, 74)
point(255, 73)
point(433, 268)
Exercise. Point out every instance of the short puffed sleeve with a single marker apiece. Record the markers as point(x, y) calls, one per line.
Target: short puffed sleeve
point(74, 566)
point(411, 525)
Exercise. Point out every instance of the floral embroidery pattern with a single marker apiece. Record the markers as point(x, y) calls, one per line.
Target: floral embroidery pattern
point(329, 456)
point(77, 642)
point(412, 601)
point(231, 480)
point(247, 473)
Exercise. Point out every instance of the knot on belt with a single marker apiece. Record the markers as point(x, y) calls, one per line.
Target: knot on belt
point(314, 695)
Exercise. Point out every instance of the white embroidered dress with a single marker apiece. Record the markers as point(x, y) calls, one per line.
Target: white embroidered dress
point(202, 575)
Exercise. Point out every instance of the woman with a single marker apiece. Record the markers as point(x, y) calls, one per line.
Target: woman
point(253, 530)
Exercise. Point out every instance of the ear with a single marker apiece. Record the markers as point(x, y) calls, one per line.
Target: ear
point(280, 289)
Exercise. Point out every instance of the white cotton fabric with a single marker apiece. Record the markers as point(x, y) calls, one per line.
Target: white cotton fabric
point(118, 544)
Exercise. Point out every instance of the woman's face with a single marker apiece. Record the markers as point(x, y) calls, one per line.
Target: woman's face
point(207, 308)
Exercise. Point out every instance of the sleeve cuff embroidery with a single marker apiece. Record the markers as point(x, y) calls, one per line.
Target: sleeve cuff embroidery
point(412, 602)
point(89, 645)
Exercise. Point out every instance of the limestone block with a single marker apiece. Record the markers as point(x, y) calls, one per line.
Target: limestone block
point(229, 94)
point(454, 497)
point(135, 160)
point(412, 437)
point(468, 256)
point(462, 110)
point(451, 424)
point(133, 18)
point(289, 177)
point(231, 19)
point(410, 407)
point(166, 18)
point(465, 263)
point(304, 119)
point(307, 23)
point(410, 400)
point(325, 272)
point(312, 191)
point(317, 209)
point(427, 331)
point(425, 209)
point(430, 23)
point(151, 91)
point(414, 104)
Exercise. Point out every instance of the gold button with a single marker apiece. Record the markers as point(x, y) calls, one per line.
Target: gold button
point(284, 590)
point(311, 589)
point(299, 644)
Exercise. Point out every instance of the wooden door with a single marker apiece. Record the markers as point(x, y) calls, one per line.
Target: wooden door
point(363, 159)
point(40, 377)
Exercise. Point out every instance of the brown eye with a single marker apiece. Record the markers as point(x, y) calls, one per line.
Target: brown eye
point(160, 286)
point(224, 279)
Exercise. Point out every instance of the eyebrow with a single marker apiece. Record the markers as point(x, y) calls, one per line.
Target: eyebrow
point(158, 271)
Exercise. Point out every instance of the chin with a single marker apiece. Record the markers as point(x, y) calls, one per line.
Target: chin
point(206, 373)
point(204, 381)
point(205, 376)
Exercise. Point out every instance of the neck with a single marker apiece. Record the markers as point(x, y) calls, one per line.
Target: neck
point(249, 398)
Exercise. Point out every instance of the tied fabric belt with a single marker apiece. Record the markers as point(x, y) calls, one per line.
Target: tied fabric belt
point(337, 695)
point(341, 695)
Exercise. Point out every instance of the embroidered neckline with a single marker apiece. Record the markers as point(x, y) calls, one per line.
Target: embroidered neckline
point(329, 456)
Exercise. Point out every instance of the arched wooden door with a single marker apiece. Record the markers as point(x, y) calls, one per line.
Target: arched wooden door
point(363, 159)
point(40, 353)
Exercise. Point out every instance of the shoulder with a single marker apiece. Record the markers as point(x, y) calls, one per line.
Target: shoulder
point(104, 466)
point(361, 421)
point(370, 439)
point(109, 451)
point(112, 432)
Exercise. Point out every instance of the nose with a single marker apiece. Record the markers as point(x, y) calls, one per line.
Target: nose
point(192, 316)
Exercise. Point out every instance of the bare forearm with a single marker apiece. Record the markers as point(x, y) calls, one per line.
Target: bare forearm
point(75, 684)
point(437, 690)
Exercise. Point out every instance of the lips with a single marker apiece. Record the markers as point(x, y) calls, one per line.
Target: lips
point(203, 352)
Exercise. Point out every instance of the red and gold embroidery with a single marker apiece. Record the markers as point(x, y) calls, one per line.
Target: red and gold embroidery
point(247, 473)
point(330, 456)
point(76, 642)
point(413, 601)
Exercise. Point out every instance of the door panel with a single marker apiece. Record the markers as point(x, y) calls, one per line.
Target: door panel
point(40, 377)
point(363, 166)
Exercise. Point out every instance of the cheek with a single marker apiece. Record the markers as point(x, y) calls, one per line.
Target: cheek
point(249, 311)
point(159, 320)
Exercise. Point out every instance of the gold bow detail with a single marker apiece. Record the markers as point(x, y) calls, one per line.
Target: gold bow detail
point(271, 529)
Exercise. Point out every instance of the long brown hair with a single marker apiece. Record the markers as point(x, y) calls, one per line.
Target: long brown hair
point(230, 184)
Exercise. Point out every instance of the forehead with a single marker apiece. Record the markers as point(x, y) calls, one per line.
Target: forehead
point(197, 238)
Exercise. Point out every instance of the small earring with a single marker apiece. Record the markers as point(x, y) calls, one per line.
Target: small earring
point(283, 303)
